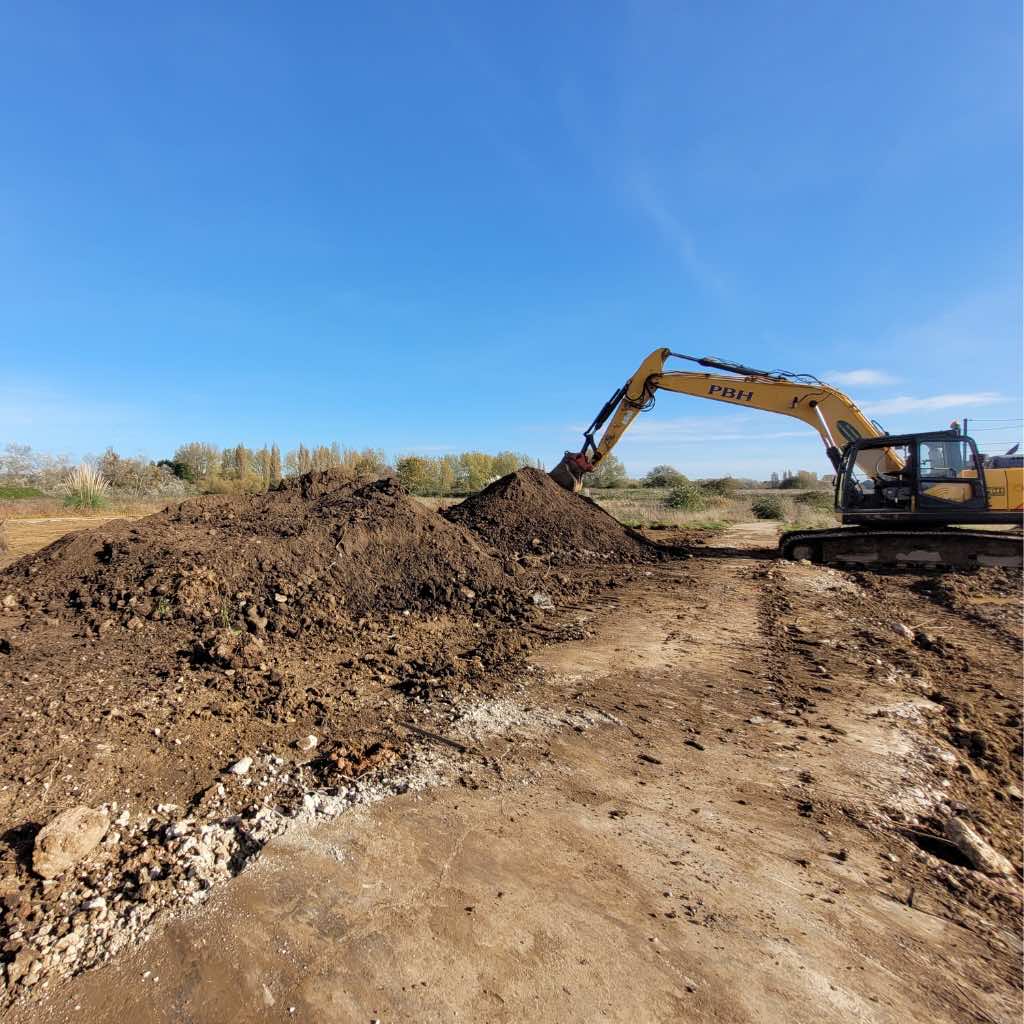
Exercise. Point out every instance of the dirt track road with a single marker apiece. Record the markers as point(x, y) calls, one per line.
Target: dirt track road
point(721, 843)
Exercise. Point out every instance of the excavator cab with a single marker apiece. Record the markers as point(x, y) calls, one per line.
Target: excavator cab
point(933, 478)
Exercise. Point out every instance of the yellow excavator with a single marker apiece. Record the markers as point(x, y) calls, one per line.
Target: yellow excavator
point(904, 499)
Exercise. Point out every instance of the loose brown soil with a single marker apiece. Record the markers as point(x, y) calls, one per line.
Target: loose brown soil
point(822, 746)
point(528, 514)
point(233, 622)
point(139, 659)
point(722, 802)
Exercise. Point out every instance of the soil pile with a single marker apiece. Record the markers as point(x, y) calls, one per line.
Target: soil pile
point(138, 658)
point(141, 663)
point(317, 549)
point(527, 513)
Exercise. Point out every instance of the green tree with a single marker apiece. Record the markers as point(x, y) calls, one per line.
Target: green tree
point(202, 458)
point(508, 462)
point(689, 496)
point(446, 469)
point(180, 469)
point(723, 487)
point(476, 470)
point(664, 476)
point(367, 464)
point(801, 480)
point(768, 506)
point(299, 461)
point(610, 472)
point(324, 457)
point(416, 474)
point(261, 466)
point(243, 458)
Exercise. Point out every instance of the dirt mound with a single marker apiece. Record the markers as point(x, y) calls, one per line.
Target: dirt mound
point(139, 660)
point(157, 650)
point(308, 553)
point(526, 512)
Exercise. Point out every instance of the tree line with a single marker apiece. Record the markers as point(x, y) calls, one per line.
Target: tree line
point(611, 473)
point(200, 467)
point(205, 465)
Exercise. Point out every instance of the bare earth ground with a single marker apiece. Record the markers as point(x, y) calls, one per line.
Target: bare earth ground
point(698, 812)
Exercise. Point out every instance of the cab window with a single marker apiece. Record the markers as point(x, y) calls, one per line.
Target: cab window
point(944, 460)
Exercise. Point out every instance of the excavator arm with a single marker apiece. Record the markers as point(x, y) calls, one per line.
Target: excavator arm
point(831, 413)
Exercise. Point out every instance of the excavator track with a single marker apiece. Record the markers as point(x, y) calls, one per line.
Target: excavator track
point(857, 547)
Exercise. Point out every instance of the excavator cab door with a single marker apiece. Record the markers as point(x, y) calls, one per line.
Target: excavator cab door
point(877, 477)
point(949, 476)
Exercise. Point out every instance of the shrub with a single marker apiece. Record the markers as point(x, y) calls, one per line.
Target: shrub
point(233, 485)
point(84, 488)
point(689, 496)
point(182, 470)
point(664, 476)
point(15, 492)
point(723, 487)
point(819, 501)
point(803, 479)
point(768, 507)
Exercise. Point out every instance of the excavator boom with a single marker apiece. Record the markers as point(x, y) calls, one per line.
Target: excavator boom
point(828, 411)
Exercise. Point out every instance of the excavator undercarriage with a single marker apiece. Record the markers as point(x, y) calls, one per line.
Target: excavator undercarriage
point(858, 547)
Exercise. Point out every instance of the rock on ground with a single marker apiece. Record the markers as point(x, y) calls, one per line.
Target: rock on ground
point(981, 855)
point(67, 839)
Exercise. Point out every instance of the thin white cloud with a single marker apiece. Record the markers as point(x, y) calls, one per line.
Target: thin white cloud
point(904, 403)
point(859, 378)
point(650, 203)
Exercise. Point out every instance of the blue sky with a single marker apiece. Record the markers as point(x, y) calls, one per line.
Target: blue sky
point(461, 225)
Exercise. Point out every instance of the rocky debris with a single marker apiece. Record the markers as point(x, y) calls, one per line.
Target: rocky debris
point(120, 888)
point(526, 514)
point(172, 858)
point(197, 659)
point(67, 839)
point(978, 852)
point(321, 607)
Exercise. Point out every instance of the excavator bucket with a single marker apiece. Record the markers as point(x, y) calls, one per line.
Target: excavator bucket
point(569, 472)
